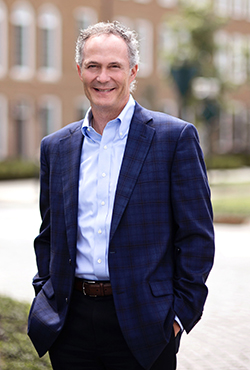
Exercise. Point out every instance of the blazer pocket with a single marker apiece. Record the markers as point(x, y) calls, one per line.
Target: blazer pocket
point(161, 288)
point(48, 289)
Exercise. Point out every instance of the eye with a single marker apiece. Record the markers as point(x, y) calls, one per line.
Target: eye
point(115, 66)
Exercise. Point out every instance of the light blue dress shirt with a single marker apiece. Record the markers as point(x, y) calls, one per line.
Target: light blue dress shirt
point(100, 165)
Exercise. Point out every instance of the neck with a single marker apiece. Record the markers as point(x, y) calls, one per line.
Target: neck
point(102, 117)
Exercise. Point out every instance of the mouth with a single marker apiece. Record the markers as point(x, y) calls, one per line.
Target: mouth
point(104, 90)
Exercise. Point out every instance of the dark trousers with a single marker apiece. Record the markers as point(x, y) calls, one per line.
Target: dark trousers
point(92, 340)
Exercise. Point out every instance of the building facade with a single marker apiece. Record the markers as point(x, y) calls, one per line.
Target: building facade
point(40, 90)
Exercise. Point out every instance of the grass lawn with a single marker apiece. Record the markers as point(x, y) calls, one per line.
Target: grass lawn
point(231, 202)
point(16, 349)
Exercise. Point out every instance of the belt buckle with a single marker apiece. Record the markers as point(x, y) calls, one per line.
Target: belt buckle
point(84, 291)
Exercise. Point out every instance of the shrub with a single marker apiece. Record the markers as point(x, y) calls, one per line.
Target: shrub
point(18, 169)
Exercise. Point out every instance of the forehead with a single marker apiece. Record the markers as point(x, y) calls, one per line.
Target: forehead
point(105, 45)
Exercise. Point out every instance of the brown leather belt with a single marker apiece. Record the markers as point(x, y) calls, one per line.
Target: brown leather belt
point(93, 288)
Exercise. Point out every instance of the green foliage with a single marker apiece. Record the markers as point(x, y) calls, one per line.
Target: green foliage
point(18, 169)
point(191, 57)
point(231, 202)
point(227, 161)
point(16, 349)
point(194, 27)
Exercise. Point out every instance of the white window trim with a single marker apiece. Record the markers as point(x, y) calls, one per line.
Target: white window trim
point(23, 15)
point(3, 127)
point(239, 67)
point(81, 103)
point(167, 3)
point(88, 12)
point(222, 8)
point(55, 103)
point(146, 66)
point(53, 73)
point(3, 39)
point(142, 1)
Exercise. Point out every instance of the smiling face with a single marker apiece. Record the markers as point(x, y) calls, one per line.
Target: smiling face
point(106, 74)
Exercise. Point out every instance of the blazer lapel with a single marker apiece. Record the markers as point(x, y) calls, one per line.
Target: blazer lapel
point(70, 151)
point(138, 143)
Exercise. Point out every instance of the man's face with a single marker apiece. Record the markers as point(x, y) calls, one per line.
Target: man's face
point(106, 74)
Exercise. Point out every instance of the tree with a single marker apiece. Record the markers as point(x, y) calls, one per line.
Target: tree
point(193, 30)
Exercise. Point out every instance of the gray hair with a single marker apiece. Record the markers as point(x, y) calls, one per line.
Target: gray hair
point(114, 28)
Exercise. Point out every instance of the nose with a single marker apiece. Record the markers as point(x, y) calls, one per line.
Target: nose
point(103, 76)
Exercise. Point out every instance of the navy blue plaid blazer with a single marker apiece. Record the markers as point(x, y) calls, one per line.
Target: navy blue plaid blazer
point(161, 240)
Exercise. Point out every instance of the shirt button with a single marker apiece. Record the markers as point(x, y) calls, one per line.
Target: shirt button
point(99, 261)
point(88, 129)
point(104, 174)
point(99, 231)
point(105, 147)
point(121, 133)
point(103, 203)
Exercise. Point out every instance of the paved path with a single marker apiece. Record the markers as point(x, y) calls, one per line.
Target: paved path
point(221, 340)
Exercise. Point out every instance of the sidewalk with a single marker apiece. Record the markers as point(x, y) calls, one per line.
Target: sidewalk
point(220, 341)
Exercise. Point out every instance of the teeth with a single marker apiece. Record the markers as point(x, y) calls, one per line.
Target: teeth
point(104, 90)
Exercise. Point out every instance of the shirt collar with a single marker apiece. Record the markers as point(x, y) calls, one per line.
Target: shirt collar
point(124, 118)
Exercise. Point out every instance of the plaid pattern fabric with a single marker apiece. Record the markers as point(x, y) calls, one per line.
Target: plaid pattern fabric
point(161, 240)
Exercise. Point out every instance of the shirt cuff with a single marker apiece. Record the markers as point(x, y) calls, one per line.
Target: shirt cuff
point(179, 322)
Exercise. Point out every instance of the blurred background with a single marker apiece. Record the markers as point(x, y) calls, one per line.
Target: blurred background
point(195, 64)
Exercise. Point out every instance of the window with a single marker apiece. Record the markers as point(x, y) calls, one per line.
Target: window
point(248, 10)
point(3, 128)
point(128, 22)
point(223, 57)
point(222, 8)
point(22, 115)
point(3, 39)
point(231, 58)
point(50, 59)
point(247, 53)
point(167, 44)
point(82, 105)
point(85, 16)
point(168, 3)
point(49, 115)
point(240, 128)
point(234, 129)
point(239, 62)
point(142, 1)
point(23, 46)
point(144, 29)
point(198, 4)
point(172, 44)
point(238, 9)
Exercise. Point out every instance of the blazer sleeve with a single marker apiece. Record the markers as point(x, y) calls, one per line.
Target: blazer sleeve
point(194, 236)
point(42, 241)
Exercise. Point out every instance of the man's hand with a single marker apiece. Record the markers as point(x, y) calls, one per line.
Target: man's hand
point(176, 327)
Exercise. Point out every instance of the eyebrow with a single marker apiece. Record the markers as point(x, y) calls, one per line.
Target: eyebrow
point(97, 63)
point(89, 62)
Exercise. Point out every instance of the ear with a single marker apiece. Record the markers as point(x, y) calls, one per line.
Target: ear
point(79, 71)
point(134, 71)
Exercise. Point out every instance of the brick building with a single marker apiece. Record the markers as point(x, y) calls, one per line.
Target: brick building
point(39, 87)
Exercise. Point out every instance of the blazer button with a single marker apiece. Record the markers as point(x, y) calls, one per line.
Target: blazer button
point(66, 299)
point(70, 261)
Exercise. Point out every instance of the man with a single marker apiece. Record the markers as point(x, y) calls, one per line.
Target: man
point(126, 241)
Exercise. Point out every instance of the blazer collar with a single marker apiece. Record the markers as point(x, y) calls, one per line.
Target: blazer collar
point(139, 140)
